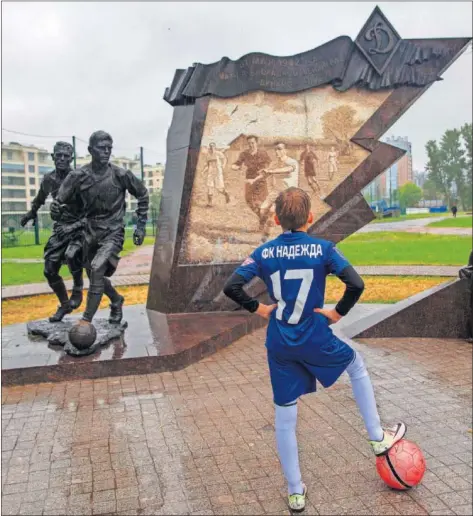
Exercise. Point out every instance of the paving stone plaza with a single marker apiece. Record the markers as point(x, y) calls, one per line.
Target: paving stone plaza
point(201, 440)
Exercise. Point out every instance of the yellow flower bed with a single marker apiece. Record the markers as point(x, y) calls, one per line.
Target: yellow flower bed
point(384, 289)
point(379, 289)
point(38, 307)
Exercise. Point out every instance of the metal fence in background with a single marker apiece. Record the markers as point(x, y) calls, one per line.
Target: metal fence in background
point(144, 163)
point(13, 235)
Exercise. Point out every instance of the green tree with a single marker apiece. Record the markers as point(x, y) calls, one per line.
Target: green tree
point(409, 195)
point(450, 165)
point(453, 162)
point(431, 190)
point(467, 137)
point(436, 171)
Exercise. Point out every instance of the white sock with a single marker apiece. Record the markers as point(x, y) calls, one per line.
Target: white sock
point(286, 420)
point(364, 397)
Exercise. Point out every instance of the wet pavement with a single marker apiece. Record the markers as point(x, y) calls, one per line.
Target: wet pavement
point(201, 440)
point(441, 231)
point(36, 289)
point(414, 226)
point(400, 225)
point(137, 262)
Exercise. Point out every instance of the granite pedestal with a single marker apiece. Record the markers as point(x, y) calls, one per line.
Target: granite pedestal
point(228, 119)
point(441, 312)
point(152, 343)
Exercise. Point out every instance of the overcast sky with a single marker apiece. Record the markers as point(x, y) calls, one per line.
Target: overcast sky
point(72, 68)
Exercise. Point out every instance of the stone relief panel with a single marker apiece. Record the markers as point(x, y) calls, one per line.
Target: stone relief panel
point(255, 146)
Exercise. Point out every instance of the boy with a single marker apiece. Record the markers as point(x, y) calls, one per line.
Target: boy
point(300, 344)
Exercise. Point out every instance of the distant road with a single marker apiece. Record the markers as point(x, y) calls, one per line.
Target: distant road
point(414, 226)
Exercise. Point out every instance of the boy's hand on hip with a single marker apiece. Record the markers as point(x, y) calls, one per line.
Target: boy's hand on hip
point(332, 315)
point(265, 310)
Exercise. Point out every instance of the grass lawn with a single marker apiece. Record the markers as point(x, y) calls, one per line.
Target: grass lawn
point(379, 289)
point(390, 248)
point(458, 222)
point(22, 273)
point(384, 248)
point(36, 251)
point(411, 216)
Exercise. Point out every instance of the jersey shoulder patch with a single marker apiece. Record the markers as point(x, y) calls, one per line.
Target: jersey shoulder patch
point(248, 261)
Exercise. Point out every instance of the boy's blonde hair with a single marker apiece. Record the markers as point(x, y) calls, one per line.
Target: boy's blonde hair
point(293, 208)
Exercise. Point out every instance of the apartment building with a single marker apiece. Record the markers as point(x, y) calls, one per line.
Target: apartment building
point(384, 186)
point(153, 175)
point(420, 178)
point(401, 172)
point(132, 164)
point(23, 167)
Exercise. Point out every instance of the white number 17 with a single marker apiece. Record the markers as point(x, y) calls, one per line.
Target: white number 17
point(306, 275)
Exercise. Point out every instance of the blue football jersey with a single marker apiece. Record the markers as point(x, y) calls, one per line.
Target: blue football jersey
point(294, 268)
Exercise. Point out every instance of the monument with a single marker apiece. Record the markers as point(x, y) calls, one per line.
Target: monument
point(100, 188)
point(418, 315)
point(317, 116)
point(66, 241)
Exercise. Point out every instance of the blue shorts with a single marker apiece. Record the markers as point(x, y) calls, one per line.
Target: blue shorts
point(294, 370)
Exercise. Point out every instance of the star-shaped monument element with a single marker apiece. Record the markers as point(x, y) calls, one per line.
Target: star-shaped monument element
point(378, 41)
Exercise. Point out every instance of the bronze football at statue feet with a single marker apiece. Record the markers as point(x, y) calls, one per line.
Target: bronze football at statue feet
point(65, 243)
point(102, 187)
point(82, 335)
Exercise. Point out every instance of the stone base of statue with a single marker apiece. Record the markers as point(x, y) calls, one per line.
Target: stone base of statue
point(153, 343)
point(57, 334)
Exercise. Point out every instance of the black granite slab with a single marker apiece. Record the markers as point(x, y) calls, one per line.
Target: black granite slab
point(439, 312)
point(153, 342)
point(183, 288)
point(378, 59)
